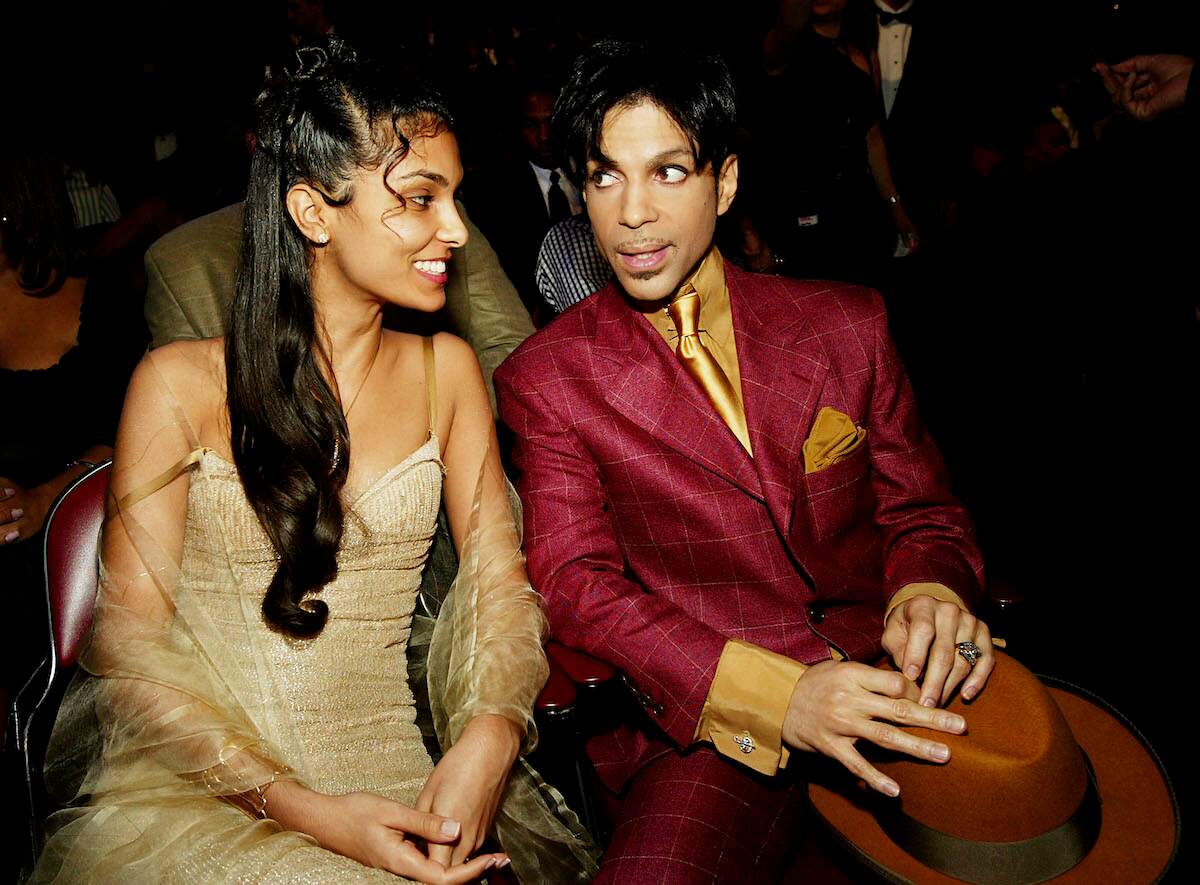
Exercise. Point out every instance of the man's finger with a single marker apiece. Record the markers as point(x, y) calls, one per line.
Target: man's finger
point(984, 666)
point(858, 766)
point(886, 682)
point(903, 711)
point(891, 738)
point(941, 653)
point(921, 631)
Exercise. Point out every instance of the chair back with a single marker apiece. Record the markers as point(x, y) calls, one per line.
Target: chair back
point(72, 540)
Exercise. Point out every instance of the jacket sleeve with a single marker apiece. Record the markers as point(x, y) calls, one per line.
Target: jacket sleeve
point(484, 306)
point(928, 536)
point(574, 560)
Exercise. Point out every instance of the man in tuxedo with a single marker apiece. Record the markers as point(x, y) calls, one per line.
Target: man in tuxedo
point(729, 496)
point(518, 202)
point(922, 76)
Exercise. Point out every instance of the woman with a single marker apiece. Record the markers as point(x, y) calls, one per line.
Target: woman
point(275, 496)
point(70, 335)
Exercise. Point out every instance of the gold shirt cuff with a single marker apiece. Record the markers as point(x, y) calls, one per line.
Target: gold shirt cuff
point(746, 705)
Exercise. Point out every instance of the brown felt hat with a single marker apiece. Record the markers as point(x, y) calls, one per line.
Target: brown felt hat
point(1048, 784)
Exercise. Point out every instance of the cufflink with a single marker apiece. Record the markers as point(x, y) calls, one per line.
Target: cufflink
point(745, 742)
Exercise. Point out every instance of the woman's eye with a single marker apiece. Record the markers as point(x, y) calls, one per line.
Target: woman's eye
point(600, 178)
point(422, 200)
point(673, 174)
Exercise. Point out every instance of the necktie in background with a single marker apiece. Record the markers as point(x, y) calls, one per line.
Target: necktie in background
point(703, 366)
point(560, 207)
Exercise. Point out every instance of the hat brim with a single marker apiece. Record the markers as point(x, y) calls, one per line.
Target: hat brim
point(1139, 831)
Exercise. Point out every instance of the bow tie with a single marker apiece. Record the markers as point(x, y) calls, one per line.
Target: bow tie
point(905, 17)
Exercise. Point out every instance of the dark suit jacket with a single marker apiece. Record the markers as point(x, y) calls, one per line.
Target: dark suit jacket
point(655, 537)
point(927, 133)
point(508, 206)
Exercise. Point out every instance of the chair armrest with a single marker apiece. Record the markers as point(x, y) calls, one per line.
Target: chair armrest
point(558, 696)
point(582, 669)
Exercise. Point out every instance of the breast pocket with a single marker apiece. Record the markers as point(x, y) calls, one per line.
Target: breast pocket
point(840, 496)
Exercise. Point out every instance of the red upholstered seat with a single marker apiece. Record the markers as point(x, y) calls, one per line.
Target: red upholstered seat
point(72, 534)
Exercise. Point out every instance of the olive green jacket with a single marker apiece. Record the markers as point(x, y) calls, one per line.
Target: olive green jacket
point(190, 274)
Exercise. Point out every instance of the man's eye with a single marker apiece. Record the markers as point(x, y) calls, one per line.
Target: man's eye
point(673, 174)
point(600, 178)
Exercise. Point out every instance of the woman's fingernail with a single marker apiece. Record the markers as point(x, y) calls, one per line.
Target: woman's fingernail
point(927, 702)
point(8, 493)
point(912, 672)
point(891, 788)
point(450, 828)
point(504, 862)
point(11, 536)
point(17, 513)
point(491, 863)
point(941, 752)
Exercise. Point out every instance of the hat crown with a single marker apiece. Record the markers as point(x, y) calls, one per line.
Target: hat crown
point(1018, 772)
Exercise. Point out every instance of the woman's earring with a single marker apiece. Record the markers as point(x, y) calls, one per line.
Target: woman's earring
point(323, 237)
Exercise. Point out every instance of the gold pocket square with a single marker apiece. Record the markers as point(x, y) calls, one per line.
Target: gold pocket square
point(834, 436)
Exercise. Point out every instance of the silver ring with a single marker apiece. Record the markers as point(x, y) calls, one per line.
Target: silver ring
point(970, 652)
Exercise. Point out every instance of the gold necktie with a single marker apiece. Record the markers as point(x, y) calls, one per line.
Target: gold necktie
point(702, 365)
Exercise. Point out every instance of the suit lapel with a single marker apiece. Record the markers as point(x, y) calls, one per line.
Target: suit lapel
point(650, 387)
point(783, 367)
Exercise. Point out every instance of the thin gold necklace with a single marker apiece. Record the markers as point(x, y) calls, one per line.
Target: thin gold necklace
point(337, 449)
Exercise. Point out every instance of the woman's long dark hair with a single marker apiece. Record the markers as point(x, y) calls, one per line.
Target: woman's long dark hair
point(320, 118)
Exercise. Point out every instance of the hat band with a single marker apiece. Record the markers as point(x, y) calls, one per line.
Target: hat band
point(1002, 863)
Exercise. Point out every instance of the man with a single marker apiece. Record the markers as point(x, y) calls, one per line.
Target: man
point(190, 274)
point(518, 202)
point(725, 486)
point(921, 72)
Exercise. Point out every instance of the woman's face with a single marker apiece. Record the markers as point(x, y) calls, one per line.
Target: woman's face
point(393, 250)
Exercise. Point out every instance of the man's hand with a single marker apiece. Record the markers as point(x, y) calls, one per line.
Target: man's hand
point(1146, 86)
point(835, 704)
point(467, 784)
point(921, 635)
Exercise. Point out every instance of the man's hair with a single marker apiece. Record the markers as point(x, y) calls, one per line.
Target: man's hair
point(696, 91)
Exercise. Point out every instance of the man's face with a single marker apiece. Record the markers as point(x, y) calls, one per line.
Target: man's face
point(536, 111)
point(652, 211)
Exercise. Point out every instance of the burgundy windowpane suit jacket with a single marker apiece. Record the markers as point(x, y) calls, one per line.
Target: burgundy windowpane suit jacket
point(655, 537)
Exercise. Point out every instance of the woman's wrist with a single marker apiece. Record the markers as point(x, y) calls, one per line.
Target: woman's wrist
point(500, 731)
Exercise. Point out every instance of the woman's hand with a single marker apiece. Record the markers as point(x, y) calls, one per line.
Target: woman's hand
point(22, 511)
point(375, 832)
point(467, 783)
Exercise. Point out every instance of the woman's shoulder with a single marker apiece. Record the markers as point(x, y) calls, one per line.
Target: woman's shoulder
point(451, 354)
point(191, 373)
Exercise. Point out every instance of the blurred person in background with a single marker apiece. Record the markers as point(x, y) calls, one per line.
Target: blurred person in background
point(70, 335)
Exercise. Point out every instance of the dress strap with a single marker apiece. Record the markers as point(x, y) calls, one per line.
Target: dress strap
point(430, 384)
point(149, 487)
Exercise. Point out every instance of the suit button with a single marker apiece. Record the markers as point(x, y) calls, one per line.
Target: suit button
point(657, 710)
point(816, 614)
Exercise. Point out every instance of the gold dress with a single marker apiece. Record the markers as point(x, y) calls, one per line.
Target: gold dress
point(180, 704)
